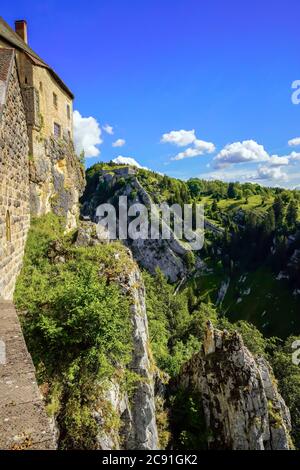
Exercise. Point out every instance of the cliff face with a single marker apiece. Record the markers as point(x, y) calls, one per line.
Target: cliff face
point(56, 180)
point(137, 429)
point(241, 403)
point(136, 413)
point(166, 254)
point(143, 433)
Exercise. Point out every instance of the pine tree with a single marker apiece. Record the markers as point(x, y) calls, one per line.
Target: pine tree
point(278, 207)
point(292, 213)
point(231, 192)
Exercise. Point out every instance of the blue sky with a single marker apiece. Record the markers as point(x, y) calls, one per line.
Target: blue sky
point(221, 68)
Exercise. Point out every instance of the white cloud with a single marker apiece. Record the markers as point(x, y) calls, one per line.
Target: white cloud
point(200, 148)
point(188, 153)
point(275, 160)
point(264, 172)
point(180, 138)
point(205, 147)
point(294, 142)
point(241, 152)
point(119, 143)
point(270, 173)
point(294, 156)
point(87, 135)
point(108, 129)
point(120, 160)
point(229, 175)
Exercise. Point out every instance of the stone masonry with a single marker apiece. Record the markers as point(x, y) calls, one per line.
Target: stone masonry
point(14, 175)
point(24, 423)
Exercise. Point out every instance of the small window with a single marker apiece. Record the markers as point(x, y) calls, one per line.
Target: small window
point(8, 226)
point(55, 100)
point(69, 135)
point(26, 81)
point(68, 111)
point(41, 86)
point(57, 130)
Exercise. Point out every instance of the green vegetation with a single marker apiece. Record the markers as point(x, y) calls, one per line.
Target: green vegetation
point(256, 253)
point(177, 325)
point(188, 424)
point(76, 322)
point(288, 376)
point(168, 318)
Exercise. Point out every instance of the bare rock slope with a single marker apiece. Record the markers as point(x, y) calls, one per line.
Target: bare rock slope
point(241, 403)
point(56, 180)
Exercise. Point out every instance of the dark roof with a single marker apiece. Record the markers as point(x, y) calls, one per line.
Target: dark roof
point(7, 33)
point(6, 61)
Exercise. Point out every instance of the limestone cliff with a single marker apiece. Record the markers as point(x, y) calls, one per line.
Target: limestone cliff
point(136, 413)
point(56, 180)
point(241, 403)
point(166, 254)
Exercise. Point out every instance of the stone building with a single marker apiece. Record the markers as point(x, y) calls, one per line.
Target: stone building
point(14, 174)
point(48, 101)
point(39, 170)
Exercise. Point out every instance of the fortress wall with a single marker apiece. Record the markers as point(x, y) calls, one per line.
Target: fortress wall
point(14, 186)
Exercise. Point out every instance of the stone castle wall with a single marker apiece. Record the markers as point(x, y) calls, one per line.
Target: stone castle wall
point(14, 186)
point(39, 172)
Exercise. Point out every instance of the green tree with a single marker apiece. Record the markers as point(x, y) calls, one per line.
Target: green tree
point(278, 207)
point(214, 206)
point(190, 260)
point(292, 213)
point(231, 192)
point(288, 376)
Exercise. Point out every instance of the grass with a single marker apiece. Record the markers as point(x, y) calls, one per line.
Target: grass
point(231, 206)
point(270, 304)
point(208, 284)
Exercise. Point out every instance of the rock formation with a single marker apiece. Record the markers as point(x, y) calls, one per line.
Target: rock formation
point(241, 403)
point(166, 254)
point(136, 413)
point(56, 180)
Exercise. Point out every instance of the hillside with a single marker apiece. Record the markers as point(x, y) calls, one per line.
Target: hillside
point(129, 355)
point(252, 269)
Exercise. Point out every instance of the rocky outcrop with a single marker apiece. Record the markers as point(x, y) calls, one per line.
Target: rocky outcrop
point(241, 403)
point(136, 413)
point(166, 254)
point(56, 180)
point(143, 433)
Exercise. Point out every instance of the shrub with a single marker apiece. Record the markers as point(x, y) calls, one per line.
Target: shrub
point(77, 323)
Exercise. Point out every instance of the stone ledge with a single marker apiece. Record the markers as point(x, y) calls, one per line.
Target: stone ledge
point(24, 423)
